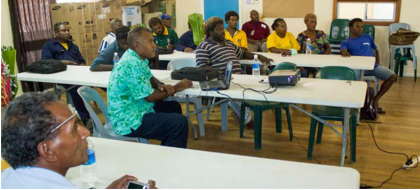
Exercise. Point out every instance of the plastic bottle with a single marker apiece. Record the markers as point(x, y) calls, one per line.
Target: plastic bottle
point(308, 46)
point(116, 58)
point(256, 66)
point(88, 169)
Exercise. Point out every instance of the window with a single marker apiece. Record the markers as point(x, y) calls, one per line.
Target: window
point(375, 12)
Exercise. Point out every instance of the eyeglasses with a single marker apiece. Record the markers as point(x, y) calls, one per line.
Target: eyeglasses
point(64, 122)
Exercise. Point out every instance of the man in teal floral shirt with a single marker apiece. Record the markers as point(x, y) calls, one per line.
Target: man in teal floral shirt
point(135, 97)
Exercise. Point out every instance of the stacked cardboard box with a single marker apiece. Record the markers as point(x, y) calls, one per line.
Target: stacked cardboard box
point(89, 23)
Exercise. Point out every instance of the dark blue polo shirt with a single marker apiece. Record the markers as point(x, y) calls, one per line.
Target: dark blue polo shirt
point(186, 40)
point(106, 56)
point(54, 50)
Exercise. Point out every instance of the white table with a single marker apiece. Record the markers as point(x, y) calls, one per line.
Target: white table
point(175, 168)
point(301, 60)
point(346, 94)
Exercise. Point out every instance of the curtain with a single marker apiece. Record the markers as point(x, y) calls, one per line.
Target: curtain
point(32, 28)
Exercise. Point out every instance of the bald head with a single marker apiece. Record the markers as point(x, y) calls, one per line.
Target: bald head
point(255, 17)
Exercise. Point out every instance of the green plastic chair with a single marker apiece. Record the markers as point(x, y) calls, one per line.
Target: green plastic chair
point(401, 61)
point(258, 107)
point(369, 29)
point(339, 31)
point(333, 113)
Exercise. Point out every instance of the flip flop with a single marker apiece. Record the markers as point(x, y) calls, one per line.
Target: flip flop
point(381, 111)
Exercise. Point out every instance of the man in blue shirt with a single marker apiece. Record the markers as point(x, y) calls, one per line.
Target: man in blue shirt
point(42, 139)
point(104, 61)
point(363, 45)
point(61, 48)
point(186, 42)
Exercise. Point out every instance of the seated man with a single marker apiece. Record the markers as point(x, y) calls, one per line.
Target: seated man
point(256, 31)
point(359, 44)
point(135, 97)
point(281, 41)
point(42, 139)
point(61, 48)
point(215, 51)
point(232, 33)
point(104, 61)
point(186, 42)
point(108, 39)
point(164, 37)
point(166, 20)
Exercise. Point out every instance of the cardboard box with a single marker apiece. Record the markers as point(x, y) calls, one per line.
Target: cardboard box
point(131, 15)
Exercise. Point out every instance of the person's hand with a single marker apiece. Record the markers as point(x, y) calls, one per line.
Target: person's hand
point(251, 41)
point(168, 88)
point(345, 53)
point(152, 184)
point(264, 40)
point(170, 47)
point(265, 60)
point(182, 85)
point(67, 62)
point(122, 182)
point(188, 50)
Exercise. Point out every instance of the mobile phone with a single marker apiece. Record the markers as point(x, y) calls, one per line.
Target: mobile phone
point(137, 185)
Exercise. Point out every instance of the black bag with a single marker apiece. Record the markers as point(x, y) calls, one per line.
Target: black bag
point(195, 73)
point(46, 66)
point(369, 110)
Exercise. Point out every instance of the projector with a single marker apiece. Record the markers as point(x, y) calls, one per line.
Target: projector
point(284, 78)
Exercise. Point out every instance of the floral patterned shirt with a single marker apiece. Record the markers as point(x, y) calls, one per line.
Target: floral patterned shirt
point(318, 47)
point(129, 85)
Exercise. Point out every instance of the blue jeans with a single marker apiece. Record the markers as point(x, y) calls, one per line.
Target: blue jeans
point(167, 124)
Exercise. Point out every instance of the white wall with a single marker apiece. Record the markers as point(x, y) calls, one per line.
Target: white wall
point(323, 9)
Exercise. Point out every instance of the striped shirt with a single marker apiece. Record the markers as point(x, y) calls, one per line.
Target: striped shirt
point(106, 41)
point(211, 53)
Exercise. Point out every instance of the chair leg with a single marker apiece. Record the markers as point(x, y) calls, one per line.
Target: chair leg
point(257, 127)
point(289, 122)
point(353, 135)
point(320, 131)
point(396, 67)
point(200, 117)
point(311, 138)
point(278, 120)
point(402, 68)
point(242, 121)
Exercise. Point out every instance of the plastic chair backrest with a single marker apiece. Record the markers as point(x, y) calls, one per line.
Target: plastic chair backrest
point(180, 63)
point(369, 29)
point(264, 47)
point(336, 73)
point(395, 26)
point(339, 29)
point(285, 66)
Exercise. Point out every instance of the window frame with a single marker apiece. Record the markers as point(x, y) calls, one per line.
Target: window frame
point(375, 23)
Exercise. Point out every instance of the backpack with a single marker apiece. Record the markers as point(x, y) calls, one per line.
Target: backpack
point(46, 66)
point(369, 110)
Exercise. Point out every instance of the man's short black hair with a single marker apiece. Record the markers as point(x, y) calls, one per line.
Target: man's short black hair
point(57, 26)
point(354, 20)
point(122, 33)
point(274, 25)
point(154, 21)
point(229, 14)
point(26, 123)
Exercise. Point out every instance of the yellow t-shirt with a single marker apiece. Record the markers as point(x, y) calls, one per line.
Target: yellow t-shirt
point(4, 165)
point(65, 45)
point(239, 38)
point(288, 42)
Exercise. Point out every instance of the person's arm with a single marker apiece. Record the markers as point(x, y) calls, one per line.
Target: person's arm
point(168, 90)
point(101, 67)
point(48, 53)
point(263, 59)
point(327, 49)
point(155, 82)
point(299, 39)
point(244, 41)
point(202, 57)
point(82, 61)
point(377, 57)
point(271, 46)
point(123, 181)
point(278, 50)
point(104, 61)
point(182, 43)
point(104, 44)
point(344, 49)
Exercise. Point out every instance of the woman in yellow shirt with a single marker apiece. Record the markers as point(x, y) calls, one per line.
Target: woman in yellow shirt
point(281, 41)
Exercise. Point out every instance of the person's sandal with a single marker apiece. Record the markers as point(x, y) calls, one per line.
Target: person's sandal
point(381, 111)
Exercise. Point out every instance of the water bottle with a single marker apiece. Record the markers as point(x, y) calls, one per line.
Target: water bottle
point(116, 58)
point(256, 66)
point(308, 46)
point(88, 169)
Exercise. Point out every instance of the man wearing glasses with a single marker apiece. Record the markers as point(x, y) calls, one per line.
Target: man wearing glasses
point(41, 140)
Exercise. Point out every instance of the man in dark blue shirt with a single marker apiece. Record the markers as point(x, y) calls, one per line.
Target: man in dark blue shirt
point(186, 42)
point(104, 61)
point(61, 48)
point(363, 45)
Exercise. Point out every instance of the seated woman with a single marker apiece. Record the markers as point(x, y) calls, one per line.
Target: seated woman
point(319, 41)
point(281, 41)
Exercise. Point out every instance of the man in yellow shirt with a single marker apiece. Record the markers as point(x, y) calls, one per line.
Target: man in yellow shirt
point(281, 41)
point(238, 37)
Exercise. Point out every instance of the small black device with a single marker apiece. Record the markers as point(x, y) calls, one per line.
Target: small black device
point(284, 78)
point(137, 185)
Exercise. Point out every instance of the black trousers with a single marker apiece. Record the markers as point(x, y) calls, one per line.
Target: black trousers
point(167, 124)
point(77, 101)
